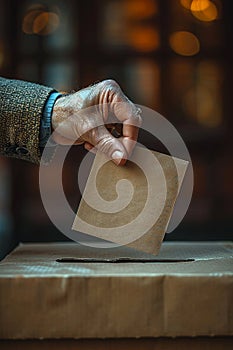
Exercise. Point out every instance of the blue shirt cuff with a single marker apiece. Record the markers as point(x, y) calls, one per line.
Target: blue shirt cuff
point(45, 124)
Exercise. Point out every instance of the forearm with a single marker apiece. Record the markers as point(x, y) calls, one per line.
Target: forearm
point(21, 108)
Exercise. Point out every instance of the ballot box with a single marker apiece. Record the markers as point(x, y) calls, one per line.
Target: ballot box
point(68, 296)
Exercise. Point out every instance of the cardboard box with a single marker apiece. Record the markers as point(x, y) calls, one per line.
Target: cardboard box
point(187, 291)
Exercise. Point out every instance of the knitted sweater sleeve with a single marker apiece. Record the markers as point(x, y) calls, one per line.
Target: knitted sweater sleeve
point(21, 108)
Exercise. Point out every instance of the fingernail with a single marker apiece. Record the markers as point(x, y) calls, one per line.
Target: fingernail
point(117, 157)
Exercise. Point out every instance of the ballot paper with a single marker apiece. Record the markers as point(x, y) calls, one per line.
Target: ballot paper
point(131, 205)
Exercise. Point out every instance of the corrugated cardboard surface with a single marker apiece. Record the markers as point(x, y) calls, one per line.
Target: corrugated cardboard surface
point(106, 212)
point(43, 298)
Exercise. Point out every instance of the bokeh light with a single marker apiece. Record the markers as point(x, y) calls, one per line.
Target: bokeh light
point(38, 20)
point(45, 23)
point(27, 24)
point(143, 38)
point(186, 3)
point(184, 43)
point(199, 5)
point(203, 10)
point(138, 9)
point(210, 13)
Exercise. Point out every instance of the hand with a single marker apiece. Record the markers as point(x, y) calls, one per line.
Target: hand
point(81, 118)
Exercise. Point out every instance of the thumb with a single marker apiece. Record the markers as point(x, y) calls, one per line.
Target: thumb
point(106, 143)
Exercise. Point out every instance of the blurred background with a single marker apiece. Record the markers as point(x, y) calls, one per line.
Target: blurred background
point(174, 56)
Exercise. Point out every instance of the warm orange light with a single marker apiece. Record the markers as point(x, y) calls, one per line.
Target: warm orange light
point(184, 43)
point(45, 23)
point(186, 3)
point(144, 38)
point(138, 9)
point(199, 5)
point(28, 21)
point(207, 15)
point(37, 20)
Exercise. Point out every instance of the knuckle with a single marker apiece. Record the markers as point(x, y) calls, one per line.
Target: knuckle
point(111, 83)
point(105, 145)
point(138, 119)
